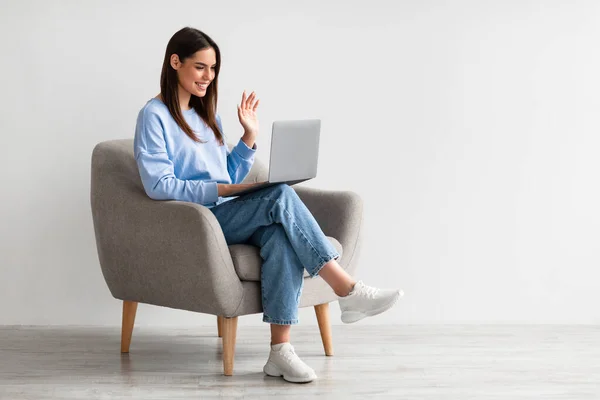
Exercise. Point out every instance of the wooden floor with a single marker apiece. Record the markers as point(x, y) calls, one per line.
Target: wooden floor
point(396, 362)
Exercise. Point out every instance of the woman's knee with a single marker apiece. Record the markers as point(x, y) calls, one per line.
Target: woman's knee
point(283, 189)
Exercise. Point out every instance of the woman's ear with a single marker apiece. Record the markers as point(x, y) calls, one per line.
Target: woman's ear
point(175, 62)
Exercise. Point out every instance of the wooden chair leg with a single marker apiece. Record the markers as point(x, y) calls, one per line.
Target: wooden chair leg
point(229, 329)
point(322, 311)
point(220, 326)
point(129, 309)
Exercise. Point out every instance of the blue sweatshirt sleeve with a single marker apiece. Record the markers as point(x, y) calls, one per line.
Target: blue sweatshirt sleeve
point(240, 159)
point(157, 170)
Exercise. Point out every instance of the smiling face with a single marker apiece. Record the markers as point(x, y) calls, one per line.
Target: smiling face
point(196, 72)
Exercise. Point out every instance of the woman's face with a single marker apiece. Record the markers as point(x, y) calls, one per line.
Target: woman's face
point(196, 72)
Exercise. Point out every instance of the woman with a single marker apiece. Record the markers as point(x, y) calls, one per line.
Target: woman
point(182, 154)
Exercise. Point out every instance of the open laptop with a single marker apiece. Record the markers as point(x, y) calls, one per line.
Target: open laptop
point(294, 153)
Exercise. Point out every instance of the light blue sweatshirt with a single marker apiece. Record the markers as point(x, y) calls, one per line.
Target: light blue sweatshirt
point(174, 167)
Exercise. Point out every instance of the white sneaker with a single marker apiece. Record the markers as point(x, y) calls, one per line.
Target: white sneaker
point(285, 362)
point(366, 301)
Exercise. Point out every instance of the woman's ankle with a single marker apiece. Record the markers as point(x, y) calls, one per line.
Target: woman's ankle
point(345, 291)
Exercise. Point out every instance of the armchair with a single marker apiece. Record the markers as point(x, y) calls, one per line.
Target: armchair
point(174, 254)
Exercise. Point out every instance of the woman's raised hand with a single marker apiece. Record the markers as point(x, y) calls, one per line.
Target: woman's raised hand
point(247, 114)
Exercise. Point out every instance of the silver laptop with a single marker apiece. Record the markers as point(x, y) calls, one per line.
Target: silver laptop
point(294, 153)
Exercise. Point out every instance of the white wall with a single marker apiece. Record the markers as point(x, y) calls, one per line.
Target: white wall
point(470, 128)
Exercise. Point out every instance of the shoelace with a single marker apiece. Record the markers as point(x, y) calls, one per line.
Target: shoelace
point(370, 291)
point(288, 355)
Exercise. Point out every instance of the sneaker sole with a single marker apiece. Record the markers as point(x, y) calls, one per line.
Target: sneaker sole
point(349, 317)
point(273, 370)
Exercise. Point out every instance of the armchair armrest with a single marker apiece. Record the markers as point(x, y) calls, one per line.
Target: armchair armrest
point(339, 214)
point(168, 253)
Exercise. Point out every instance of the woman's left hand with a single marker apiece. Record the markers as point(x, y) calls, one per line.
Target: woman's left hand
point(247, 114)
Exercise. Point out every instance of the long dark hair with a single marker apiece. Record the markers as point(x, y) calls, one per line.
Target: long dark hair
point(185, 43)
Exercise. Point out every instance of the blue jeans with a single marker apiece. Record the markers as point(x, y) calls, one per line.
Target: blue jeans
point(277, 221)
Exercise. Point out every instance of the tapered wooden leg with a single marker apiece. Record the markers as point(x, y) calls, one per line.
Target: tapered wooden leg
point(229, 329)
point(220, 326)
point(129, 309)
point(322, 311)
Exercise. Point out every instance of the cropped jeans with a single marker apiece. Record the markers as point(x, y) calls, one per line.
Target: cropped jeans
point(277, 221)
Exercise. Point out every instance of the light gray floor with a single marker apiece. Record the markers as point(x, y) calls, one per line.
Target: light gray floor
point(399, 362)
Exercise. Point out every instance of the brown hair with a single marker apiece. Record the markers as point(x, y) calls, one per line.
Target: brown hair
point(185, 43)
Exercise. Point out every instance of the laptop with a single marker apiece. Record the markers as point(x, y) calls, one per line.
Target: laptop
point(294, 153)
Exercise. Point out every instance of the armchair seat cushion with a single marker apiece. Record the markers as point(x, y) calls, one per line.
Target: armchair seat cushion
point(247, 260)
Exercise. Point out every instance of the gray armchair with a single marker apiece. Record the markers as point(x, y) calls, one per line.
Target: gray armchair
point(174, 254)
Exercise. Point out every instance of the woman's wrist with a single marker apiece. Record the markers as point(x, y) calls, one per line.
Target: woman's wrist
point(249, 138)
point(222, 189)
